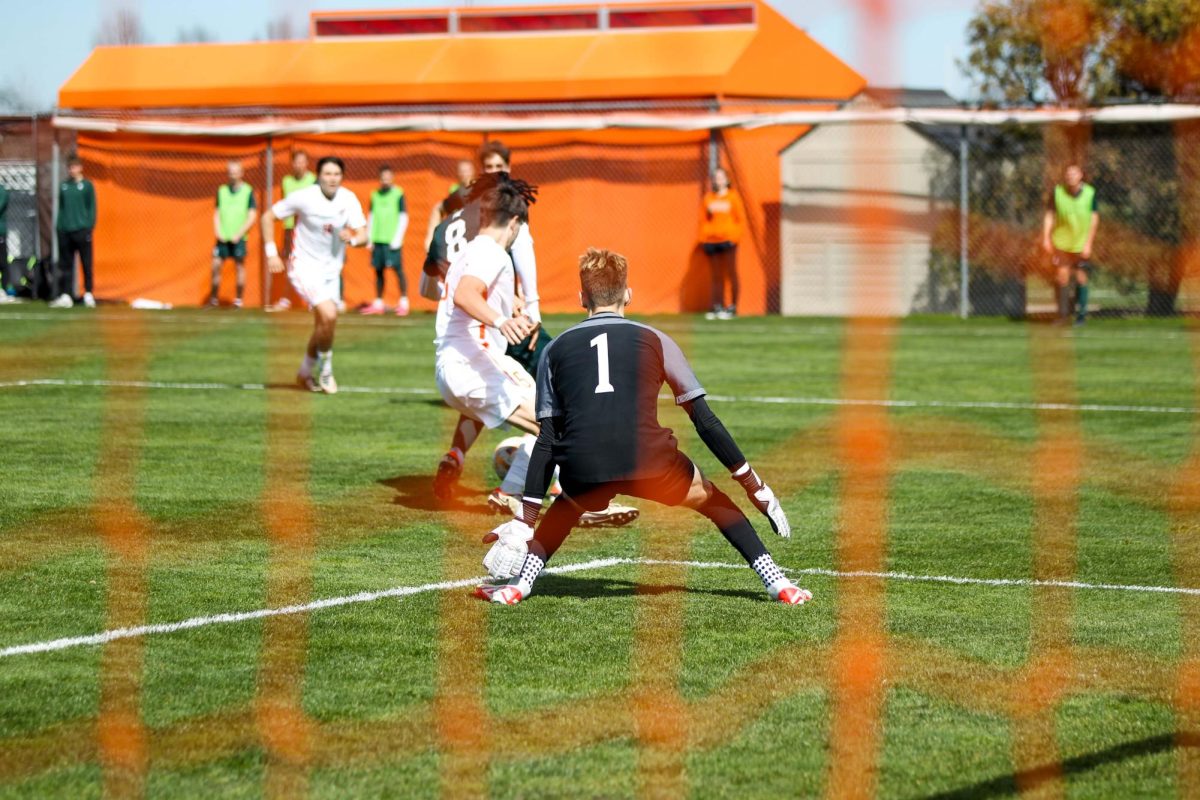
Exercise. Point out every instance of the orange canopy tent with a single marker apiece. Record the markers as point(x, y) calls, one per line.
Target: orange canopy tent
point(157, 123)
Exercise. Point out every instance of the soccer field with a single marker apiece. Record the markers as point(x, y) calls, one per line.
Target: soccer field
point(1033, 623)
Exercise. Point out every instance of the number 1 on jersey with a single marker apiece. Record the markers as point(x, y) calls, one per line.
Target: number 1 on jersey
point(601, 345)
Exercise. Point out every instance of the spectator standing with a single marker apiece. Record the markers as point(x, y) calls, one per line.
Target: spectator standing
point(722, 221)
point(235, 215)
point(76, 221)
point(387, 223)
point(1068, 233)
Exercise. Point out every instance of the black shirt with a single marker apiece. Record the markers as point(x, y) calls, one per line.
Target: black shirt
point(601, 379)
point(449, 237)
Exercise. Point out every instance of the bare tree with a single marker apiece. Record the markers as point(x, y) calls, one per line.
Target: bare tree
point(281, 28)
point(121, 26)
point(13, 100)
point(195, 34)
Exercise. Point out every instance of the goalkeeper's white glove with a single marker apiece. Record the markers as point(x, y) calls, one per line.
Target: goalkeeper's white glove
point(510, 544)
point(764, 500)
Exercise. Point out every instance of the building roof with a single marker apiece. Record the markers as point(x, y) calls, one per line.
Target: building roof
point(531, 54)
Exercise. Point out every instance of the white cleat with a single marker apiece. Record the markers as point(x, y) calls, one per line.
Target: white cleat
point(327, 384)
point(62, 301)
point(615, 516)
point(307, 382)
point(501, 502)
point(88, 300)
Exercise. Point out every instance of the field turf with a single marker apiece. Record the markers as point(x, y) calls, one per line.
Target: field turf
point(160, 467)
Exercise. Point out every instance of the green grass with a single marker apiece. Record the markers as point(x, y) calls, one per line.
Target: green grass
point(566, 675)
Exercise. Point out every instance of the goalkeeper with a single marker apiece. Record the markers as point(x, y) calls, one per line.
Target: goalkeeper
point(597, 395)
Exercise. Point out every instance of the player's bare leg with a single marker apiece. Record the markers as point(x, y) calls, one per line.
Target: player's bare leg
point(215, 284)
point(240, 271)
point(1062, 288)
point(316, 372)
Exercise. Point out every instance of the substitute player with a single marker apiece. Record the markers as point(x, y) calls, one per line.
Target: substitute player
point(388, 222)
point(1068, 233)
point(597, 402)
point(328, 218)
point(233, 218)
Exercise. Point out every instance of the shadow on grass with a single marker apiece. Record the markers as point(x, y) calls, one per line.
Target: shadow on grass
point(416, 491)
point(551, 585)
point(1032, 779)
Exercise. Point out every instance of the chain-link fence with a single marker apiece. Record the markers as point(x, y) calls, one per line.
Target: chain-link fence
point(810, 196)
point(914, 182)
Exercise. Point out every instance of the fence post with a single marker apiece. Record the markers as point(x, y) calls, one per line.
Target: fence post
point(37, 182)
point(55, 179)
point(268, 201)
point(964, 271)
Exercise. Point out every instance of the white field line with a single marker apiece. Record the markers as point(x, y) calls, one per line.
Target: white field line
point(798, 401)
point(584, 566)
point(684, 324)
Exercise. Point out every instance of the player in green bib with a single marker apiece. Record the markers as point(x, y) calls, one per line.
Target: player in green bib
point(1068, 233)
point(387, 224)
point(300, 177)
point(233, 218)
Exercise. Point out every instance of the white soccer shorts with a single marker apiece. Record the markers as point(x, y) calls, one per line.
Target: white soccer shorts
point(482, 386)
point(315, 286)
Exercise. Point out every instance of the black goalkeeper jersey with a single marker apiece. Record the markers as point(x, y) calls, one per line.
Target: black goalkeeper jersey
point(601, 379)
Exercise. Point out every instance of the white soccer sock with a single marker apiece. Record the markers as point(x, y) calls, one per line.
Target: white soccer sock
point(530, 570)
point(306, 366)
point(514, 481)
point(325, 359)
point(771, 575)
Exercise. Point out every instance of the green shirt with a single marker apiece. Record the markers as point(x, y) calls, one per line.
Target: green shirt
point(76, 205)
point(3, 210)
point(233, 209)
point(1072, 217)
point(386, 208)
point(290, 184)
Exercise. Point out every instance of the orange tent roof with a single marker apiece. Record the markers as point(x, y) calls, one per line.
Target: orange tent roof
point(769, 57)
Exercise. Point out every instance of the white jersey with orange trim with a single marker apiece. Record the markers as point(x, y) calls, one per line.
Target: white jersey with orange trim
point(316, 244)
point(486, 260)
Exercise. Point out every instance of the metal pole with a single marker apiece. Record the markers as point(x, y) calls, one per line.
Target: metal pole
point(55, 177)
point(37, 174)
point(964, 270)
point(268, 201)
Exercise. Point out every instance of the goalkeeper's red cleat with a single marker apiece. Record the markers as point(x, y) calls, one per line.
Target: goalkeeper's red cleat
point(505, 594)
point(793, 596)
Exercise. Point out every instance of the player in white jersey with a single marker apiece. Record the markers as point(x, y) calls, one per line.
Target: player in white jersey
point(479, 319)
point(328, 219)
point(446, 244)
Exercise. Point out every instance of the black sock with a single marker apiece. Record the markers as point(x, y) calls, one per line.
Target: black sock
point(554, 528)
point(734, 526)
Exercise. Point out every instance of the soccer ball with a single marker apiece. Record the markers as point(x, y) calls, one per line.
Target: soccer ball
point(504, 454)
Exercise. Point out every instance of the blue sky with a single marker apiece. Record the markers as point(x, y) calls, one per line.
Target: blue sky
point(45, 40)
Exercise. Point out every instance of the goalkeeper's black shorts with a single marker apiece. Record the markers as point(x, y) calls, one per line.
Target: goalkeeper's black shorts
point(670, 488)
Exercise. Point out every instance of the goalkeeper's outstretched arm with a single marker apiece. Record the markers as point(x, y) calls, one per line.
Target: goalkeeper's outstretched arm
point(718, 440)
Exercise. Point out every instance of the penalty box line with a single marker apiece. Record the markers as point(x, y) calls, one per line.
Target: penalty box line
point(70, 642)
point(982, 405)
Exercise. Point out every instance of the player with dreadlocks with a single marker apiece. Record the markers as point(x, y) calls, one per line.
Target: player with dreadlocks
point(477, 317)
